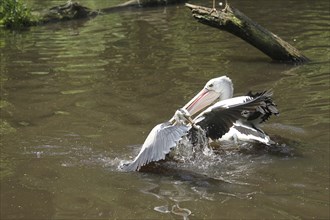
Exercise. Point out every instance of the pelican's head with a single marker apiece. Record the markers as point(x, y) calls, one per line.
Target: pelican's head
point(215, 89)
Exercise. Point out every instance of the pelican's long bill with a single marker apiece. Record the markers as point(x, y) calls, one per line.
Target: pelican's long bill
point(203, 99)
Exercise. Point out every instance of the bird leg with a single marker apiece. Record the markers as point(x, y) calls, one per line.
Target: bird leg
point(226, 6)
point(213, 8)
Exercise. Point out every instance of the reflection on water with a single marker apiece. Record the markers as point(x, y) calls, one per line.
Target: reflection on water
point(78, 98)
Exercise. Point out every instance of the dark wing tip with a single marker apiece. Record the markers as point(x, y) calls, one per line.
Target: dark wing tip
point(267, 108)
point(219, 120)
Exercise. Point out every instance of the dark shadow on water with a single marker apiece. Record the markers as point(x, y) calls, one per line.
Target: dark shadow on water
point(170, 169)
point(281, 148)
point(211, 171)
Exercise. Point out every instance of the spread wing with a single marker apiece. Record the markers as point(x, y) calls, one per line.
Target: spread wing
point(159, 142)
point(263, 113)
point(218, 120)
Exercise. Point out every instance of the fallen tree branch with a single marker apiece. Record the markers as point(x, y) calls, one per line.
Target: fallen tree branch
point(73, 10)
point(68, 11)
point(238, 24)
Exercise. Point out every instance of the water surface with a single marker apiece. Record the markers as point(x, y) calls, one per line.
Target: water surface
point(79, 97)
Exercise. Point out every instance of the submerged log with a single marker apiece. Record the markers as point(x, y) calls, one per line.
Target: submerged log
point(74, 10)
point(141, 3)
point(238, 24)
point(149, 3)
point(68, 11)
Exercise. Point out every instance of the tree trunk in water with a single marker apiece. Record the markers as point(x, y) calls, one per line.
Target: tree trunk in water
point(238, 24)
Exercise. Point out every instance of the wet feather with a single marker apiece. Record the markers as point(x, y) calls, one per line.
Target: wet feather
point(162, 138)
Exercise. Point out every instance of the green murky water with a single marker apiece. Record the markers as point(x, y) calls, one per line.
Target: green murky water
point(79, 97)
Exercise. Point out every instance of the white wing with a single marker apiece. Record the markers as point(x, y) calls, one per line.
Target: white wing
point(159, 142)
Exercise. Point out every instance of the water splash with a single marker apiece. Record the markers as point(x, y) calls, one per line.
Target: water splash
point(184, 212)
point(176, 210)
point(162, 209)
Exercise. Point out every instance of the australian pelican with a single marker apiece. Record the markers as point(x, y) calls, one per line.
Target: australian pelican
point(225, 118)
point(246, 128)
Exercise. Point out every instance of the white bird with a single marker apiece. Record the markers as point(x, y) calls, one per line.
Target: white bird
point(246, 128)
point(161, 139)
point(226, 118)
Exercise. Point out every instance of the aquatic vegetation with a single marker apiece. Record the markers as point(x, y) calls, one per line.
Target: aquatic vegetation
point(7, 166)
point(15, 14)
point(5, 127)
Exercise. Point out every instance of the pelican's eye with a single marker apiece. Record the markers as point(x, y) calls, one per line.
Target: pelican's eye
point(211, 85)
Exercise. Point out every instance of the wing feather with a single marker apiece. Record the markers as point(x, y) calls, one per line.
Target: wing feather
point(217, 121)
point(162, 138)
point(265, 111)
